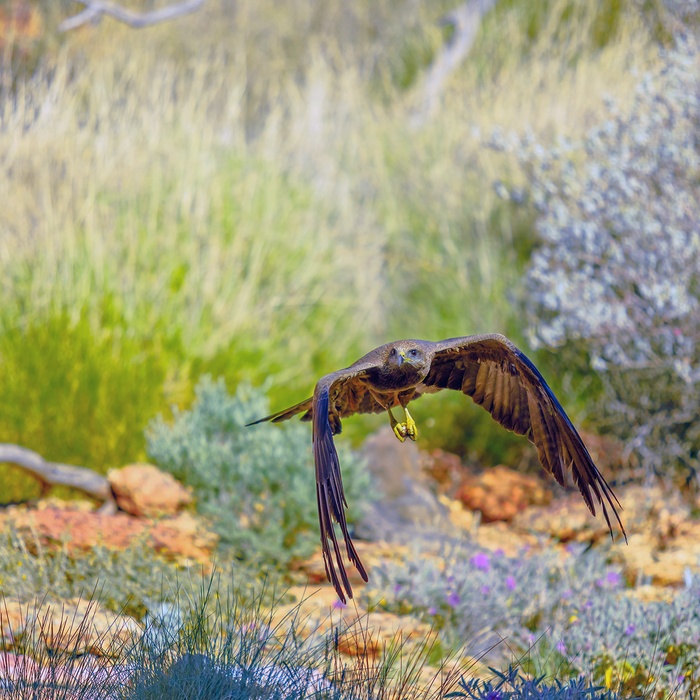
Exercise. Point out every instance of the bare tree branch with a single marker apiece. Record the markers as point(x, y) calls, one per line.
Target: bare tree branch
point(94, 9)
point(466, 20)
point(55, 474)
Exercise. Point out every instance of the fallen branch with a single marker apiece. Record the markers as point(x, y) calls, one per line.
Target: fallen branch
point(55, 474)
point(94, 9)
point(466, 20)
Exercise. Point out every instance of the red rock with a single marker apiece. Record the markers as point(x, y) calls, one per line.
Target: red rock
point(566, 519)
point(501, 493)
point(183, 536)
point(665, 565)
point(82, 626)
point(145, 490)
point(446, 469)
point(15, 667)
point(13, 617)
point(356, 632)
point(77, 530)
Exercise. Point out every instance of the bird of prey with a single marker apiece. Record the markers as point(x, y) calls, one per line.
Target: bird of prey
point(490, 369)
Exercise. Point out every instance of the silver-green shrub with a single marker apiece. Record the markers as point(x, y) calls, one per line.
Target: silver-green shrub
point(616, 275)
point(256, 482)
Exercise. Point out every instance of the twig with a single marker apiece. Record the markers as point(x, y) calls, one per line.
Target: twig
point(55, 474)
point(94, 9)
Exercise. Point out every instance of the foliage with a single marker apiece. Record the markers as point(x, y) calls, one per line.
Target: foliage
point(513, 685)
point(616, 277)
point(567, 618)
point(256, 481)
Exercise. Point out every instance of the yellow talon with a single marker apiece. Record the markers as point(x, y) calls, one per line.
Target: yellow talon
point(410, 427)
point(400, 431)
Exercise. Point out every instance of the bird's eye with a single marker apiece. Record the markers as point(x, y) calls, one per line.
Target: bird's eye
point(413, 352)
point(393, 352)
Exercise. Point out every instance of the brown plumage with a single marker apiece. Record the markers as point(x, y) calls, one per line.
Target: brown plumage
point(490, 369)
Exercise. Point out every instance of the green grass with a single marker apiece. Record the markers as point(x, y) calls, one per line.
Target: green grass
point(256, 204)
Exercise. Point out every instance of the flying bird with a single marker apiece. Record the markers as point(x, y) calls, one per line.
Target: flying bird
point(490, 369)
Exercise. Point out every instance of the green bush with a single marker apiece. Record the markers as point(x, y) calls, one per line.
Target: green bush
point(257, 482)
point(79, 390)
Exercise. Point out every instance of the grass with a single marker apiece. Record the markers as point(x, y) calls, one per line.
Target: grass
point(207, 643)
point(258, 204)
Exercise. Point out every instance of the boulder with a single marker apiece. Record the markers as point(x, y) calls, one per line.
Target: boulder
point(501, 493)
point(406, 500)
point(566, 519)
point(356, 632)
point(445, 469)
point(145, 490)
point(70, 627)
point(666, 565)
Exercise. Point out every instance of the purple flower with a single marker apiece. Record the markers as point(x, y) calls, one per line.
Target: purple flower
point(499, 553)
point(567, 594)
point(485, 590)
point(432, 610)
point(397, 588)
point(510, 583)
point(630, 630)
point(453, 599)
point(339, 605)
point(561, 647)
point(613, 578)
point(481, 561)
point(599, 582)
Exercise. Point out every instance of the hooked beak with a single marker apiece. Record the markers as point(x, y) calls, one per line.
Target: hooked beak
point(401, 358)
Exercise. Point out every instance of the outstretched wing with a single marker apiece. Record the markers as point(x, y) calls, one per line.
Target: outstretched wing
point(336, 396)
point(504, 381)
point(329, 492)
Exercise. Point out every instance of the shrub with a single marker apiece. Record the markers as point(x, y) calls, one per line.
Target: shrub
point(257, 482)
point(513, 685)
point(615, 281)
point(80, 395)
point(568, 618)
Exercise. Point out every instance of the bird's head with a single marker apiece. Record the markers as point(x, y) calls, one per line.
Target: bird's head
point(406, 356)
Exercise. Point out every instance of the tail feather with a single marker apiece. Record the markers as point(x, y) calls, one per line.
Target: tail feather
point(286, 413)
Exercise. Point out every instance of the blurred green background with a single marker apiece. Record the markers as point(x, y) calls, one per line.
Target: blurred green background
point(252, 192)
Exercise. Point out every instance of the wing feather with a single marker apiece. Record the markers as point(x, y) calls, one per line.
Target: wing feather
point(330, 495)
point(506, 383)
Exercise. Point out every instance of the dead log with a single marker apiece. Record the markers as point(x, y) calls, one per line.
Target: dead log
point(465, 21)
point(94, 9)
point(56, 474)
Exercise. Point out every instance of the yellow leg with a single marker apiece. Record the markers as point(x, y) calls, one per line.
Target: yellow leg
point(398, 428)
point(408, 429)
point(410, 426)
